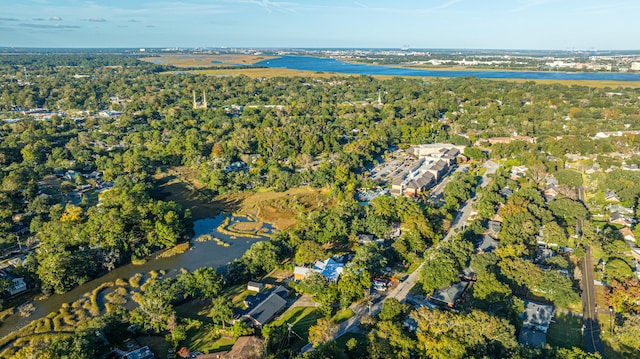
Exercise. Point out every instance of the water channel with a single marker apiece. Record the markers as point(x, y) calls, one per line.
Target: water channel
point(323, 64)
point(200, 254)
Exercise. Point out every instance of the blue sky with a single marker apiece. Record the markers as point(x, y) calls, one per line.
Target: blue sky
point(490, 24)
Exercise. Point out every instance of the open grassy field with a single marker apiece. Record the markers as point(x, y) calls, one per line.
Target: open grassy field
point(302, 319)
point(183, 60)
point(277, 208)
point(202, 340)
point(267, 72)
point(565, 331)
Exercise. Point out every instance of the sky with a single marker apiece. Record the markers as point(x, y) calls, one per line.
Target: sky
point(455, 24)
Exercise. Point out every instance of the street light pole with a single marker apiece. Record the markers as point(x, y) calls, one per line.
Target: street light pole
point(611, 318)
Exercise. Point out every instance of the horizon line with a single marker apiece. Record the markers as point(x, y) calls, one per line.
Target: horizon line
point(177, 48)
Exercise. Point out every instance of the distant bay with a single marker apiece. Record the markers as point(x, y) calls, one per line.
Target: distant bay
point(323, 64)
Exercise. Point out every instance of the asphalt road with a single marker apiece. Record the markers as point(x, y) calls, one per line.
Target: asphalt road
point(401, 290)
point(589, 317)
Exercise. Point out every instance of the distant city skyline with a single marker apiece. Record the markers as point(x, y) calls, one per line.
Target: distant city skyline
point(457, 24)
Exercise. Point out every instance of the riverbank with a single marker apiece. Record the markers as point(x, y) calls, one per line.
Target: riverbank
point(278, 209)
point(59, 314)
point(318, 64)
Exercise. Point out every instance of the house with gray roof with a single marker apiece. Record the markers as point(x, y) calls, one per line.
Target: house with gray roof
point(486, 244)
point(535, 322)
point(449, 296)
point(265, 306)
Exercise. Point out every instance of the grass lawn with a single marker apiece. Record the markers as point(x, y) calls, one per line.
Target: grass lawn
point(202, 340)
point(601, 296)
point(342, 315)
point(566, 331)
point(302, 318)
point(157, 344)
point(412, 268)
point(195, 309)
point(360, 350)
point(237, 294)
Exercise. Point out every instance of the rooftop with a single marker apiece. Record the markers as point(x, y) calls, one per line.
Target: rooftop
point(267, 309)
point(537, 316)
point(451, 294)
point(329, 268)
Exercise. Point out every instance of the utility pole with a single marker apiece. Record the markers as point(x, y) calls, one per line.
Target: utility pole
point(611, 318)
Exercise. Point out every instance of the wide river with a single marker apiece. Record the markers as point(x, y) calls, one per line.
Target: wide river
point(201, 254)
point(323, 64)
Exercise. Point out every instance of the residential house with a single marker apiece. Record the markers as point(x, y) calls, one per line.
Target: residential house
point(449, 296)
point(632, 167)
point(71, 175)
point(611, 196)
point(535, 322)
point(542, 253)
point(253, 300)
point(494, 227)
point(621, 219)
point(381, 284)
point(542, 241)
point(96, 175)
point(411, 324)
point(628, 234)
point(486, 244)
point(255, 286)
point(365, 238)
point(329, 268)
point(264, 311)
point(263, 307)
point(506, 192)
point(550, 192)
point(300, 273)
point(396, 231)
point(235, 166)
point(551, 181)
point(16, 285)
point(620, 209)
point(518, 171)
point(139, 353)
